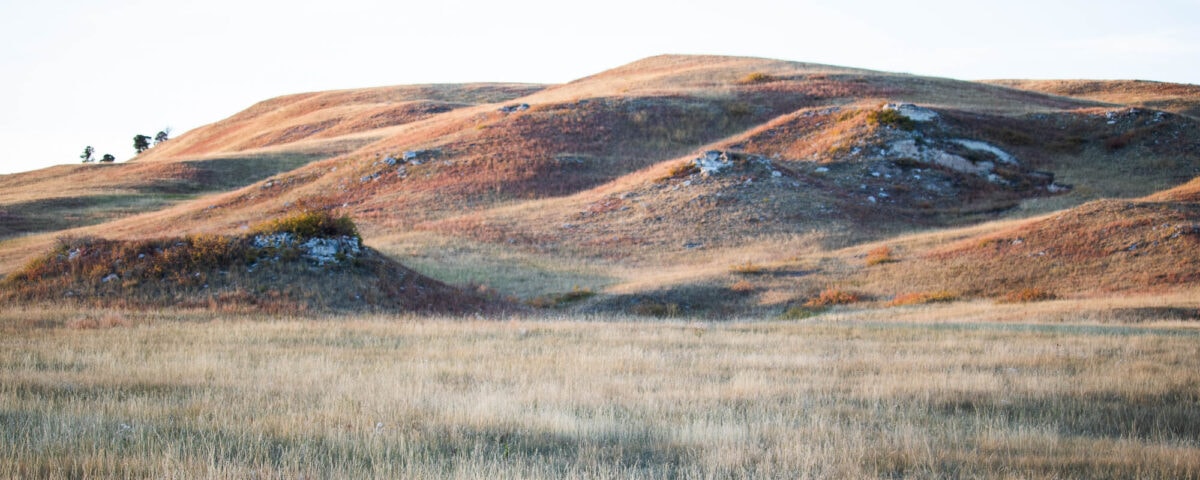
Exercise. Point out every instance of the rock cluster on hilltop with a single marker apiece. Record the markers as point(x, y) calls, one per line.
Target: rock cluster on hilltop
point(401, 164)
point(914, 159)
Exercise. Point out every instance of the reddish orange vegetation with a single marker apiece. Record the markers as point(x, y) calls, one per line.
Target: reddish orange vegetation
point(921, 298)
point(1103, 246)
point(833, 296)
point(880, 255)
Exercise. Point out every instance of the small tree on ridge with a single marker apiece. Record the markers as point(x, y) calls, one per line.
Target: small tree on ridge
point(162, 136)
point(141, 143)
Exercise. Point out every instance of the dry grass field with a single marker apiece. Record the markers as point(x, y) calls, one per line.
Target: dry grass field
point(960, 391)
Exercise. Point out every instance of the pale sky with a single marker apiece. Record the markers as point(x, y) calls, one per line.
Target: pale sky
point(97, 72)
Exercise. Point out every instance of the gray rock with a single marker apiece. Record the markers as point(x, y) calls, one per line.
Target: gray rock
point(912, 112)
point(712, 162)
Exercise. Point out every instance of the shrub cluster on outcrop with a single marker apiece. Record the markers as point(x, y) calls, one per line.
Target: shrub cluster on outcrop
point(310, 224)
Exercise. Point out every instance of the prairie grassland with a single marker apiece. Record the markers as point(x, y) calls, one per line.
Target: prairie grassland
point(188, 395)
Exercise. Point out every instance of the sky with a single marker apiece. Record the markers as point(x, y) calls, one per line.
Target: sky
point(75, 73)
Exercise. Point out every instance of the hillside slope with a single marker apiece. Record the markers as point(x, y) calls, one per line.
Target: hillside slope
point(269, 138)
point(666, 174)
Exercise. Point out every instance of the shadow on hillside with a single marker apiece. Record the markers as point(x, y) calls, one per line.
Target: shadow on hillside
point(220, 174)
point(52, 214)
point(703, 301)
point(175, 185)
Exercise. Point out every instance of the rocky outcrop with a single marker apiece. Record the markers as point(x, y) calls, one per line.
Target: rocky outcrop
point(977, 145)
point(937, 157)
point(712, 162)
point(318, 250)
point(912, 112)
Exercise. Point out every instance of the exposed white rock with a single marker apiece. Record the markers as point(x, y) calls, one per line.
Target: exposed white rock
point(327, 250)
point(712, 162)
point(1056, 188)
point(318, 249)
point(987, 147)
point(913, 112)
point(274, 240)
point(909, 148)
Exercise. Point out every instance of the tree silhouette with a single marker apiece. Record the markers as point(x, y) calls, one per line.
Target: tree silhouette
point(162, 136)
point(141, 143)
point(87, 154)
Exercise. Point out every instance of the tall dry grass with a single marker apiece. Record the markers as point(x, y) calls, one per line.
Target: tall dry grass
point(204, 395)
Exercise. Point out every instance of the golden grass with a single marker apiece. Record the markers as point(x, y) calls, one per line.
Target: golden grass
point(205, 395)
point(747, 268)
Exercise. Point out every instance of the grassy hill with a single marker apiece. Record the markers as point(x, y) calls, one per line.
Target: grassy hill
point(686, 184)
point(269, 138)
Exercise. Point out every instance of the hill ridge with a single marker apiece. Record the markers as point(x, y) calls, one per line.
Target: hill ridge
point(608, 174)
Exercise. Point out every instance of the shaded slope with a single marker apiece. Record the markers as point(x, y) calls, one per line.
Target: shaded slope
point(70, 196)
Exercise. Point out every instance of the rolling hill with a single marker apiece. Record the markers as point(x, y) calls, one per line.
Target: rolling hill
point(666, 181)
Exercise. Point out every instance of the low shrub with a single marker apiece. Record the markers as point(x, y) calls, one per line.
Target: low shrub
point(742, 287)
point(682, 170)
point(800, 313)
point(1026, 295)
point(890, 118)
point(756, 77)
point(652, 308)
point(880, 255)
point(921, 298)
point(308, 224)
point(559, 300)
point(832, 296)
